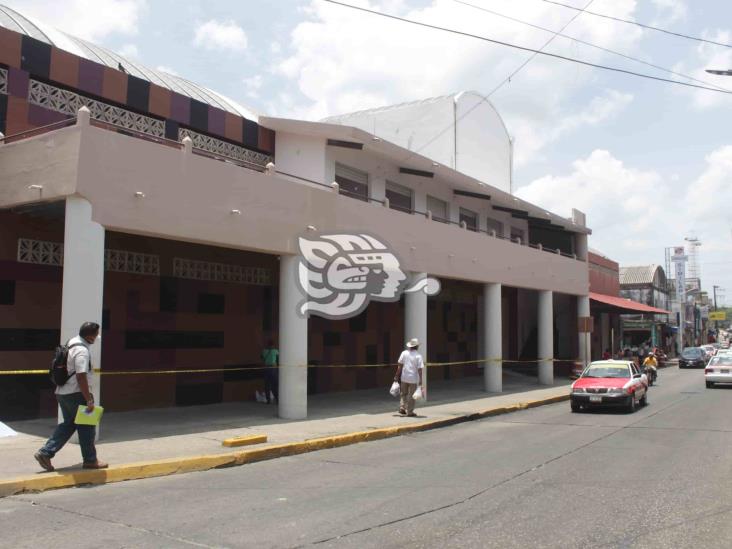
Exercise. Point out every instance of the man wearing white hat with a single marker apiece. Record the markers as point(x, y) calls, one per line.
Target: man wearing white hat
point(409, 373)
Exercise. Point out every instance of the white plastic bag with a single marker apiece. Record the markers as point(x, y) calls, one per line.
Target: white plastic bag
point(394, 391)
point(418, 394)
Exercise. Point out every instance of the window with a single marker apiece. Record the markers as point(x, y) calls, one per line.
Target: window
point(470, 218)
point(438, 208)
point(517, 233)
point(494, 225)
point(400, 197)
point(352, 182)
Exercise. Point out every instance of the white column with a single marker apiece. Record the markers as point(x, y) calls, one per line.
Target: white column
point(415, 321)
point(377, 188)
point(492, 335)
point(545, 329)
point(83, 278)
point(293, 373)
point(583, 309)
point(581, 246)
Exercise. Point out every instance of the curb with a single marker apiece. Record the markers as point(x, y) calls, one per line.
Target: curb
point(172, 466)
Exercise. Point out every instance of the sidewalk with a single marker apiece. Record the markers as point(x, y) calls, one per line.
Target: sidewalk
point(162, 434)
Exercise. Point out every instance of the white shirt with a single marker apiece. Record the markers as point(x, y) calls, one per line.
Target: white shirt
point(79, 361)
point(412, 363)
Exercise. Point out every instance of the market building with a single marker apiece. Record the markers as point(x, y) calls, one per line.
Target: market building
point(645, 284)
point(171, 215)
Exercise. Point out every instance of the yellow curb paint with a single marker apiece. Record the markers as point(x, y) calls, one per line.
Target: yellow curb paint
point(172, 466)
point(244, 441)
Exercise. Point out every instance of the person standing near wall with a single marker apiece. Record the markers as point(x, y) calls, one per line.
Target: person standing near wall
point(409, 375)
point(270, 358)
point(73, 393)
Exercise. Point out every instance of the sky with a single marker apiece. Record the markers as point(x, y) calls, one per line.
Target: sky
point(649, 162)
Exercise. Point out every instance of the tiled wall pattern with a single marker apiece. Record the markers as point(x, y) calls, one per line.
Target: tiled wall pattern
point(24, 59)
point(216, 311)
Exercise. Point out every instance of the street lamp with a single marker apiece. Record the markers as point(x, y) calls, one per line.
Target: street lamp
point(727, 72)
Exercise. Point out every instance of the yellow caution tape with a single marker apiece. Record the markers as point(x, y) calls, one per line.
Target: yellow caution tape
point(254, 368)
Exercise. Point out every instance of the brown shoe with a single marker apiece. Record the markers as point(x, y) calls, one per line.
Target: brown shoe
point(44, 461)
point(402, 412)
point(95, 465)
point(412, 415)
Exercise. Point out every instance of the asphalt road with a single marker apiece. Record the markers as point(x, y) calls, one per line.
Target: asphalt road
point(661, 477)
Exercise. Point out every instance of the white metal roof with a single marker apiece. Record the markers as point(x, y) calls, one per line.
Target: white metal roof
point(14, 21)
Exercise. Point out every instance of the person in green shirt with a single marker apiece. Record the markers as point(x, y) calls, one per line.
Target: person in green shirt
point(270, 358)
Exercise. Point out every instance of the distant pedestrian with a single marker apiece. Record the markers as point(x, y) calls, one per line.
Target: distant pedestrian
point(72, 394)
point(409, 375)
point(271, 358)
point(607, 355)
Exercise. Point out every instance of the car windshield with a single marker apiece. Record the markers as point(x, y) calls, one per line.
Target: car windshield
point(721, 361)
point(607, 370)
point(691, 353)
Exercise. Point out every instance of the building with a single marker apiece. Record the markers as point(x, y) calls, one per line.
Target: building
point(172, 215)
point(645, 284)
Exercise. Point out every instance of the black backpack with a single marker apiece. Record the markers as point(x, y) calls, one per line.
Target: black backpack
point(58, 373)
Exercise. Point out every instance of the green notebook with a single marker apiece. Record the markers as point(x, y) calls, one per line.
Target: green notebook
point(82, 418)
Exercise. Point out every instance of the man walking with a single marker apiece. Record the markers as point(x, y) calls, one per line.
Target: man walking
point(270, 357)
point(409, 374)
point(72, 394)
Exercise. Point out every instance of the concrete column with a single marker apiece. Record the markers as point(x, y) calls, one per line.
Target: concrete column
point(583, 309)
point(545, 329)
point(605, 333)
point(293, 340)
point(83, 278)
point(581, 246)
point(377, 188)
point(415, 321)
point(492, 335)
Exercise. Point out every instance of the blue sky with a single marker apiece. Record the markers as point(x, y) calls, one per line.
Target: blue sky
point(649, 162)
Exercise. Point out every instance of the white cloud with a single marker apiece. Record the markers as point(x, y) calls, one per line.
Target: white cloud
point(342, 60)
point(93, 20)
point(129, 50)
point(221, 35)
point(252, 86)
point(708, 56)
point(635, 213)
point(668, 12)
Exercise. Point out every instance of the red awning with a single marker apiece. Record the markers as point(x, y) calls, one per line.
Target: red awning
point(625, 305)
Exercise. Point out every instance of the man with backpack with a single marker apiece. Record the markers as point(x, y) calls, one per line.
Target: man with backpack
point(72, 372)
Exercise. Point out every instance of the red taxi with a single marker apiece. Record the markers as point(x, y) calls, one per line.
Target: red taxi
point(616, 383)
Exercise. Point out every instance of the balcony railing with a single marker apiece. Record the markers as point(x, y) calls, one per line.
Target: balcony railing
point(270, 169)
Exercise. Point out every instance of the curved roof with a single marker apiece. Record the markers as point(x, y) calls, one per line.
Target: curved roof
point(14, 21)
point(644, 274)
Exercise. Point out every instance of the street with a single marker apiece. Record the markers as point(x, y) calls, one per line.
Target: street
point(540, 478)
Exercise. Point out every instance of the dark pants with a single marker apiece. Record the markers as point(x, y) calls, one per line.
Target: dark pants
point(271, 383)
point(69, 406)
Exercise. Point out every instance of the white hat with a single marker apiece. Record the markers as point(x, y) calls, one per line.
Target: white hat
point(412, 343)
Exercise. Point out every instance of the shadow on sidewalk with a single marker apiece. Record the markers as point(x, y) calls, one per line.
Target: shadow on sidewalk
point(166, 422)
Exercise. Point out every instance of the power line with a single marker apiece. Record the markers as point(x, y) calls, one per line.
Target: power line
point(533, 55)
point(650, 27)
point(524, 48)
point(485, 98)
point(580, 41)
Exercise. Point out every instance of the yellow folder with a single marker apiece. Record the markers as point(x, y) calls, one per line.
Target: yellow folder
point(82, 418)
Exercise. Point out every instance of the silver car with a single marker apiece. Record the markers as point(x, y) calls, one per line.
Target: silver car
point(719, 370)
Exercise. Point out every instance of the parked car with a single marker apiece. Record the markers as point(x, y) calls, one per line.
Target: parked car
point(616, 383)
point(719, 370)
point(708, 350)
point(692, 357)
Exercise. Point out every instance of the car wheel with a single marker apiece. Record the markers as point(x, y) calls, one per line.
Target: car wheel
point(576, 407)
point(710, 385)
point(631, 404)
